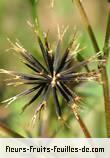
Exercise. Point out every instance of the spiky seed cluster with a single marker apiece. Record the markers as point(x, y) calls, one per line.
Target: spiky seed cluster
point(58, 73)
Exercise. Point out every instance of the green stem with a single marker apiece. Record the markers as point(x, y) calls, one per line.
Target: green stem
point(34, 5)
point(104, 75)
point(107, 39)
point(87, 25)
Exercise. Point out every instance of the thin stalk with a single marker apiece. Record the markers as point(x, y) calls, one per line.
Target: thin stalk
point(104, 75)
point(81, 123)
point(34, 4)
point(107, 38)
point(83, 127)
point(9, 131)
point(105, 80)
point(87, 25)
point(106, 94)
point(35, 17)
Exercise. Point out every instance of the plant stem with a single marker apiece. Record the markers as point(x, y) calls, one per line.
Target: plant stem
point(106, 90)
point(104, 76)
point(83, 127)
point(34, 4)
point(36, 18)
point(81, 123)
point(107, 38)
point(10, 131)
point(106, 99)
point(87, 25)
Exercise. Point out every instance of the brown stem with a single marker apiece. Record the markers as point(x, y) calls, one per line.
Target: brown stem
point(104, 75)
point(83, 126)
point(106, 90)
point(106, 99)
point(9, 131)
point(86, 132)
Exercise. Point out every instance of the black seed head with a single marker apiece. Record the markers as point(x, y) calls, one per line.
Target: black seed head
point(59, 71)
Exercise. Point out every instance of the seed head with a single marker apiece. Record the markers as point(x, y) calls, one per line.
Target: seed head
point(59, 72)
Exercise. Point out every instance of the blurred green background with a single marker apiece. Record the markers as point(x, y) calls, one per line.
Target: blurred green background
point(13, 24)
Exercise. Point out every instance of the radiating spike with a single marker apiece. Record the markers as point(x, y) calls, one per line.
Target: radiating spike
point(31, 67)
point(38, 110)
point(64, 31)
point(66, 59)
point(34, 29)
point(46, 55)
point(37, 73)
point(73, 76)
point(36, 82)
point(67, 64)
point(33, 120)
point(17, 47)
point(58, 32)
point(7, 72)
point(9, 101)
point(12, 99)
point(41, 103)
point(49, 55)
point(63, 61)
point(15, 84)
point(57, 56)
point(44, 52)
point(47, 44)
point(40, 107)
point(56, 101)
point(24, 76)
point(69, 91)
point(58, 62)
point(63, 93)
point(32, 60)
point(33, 99)
point(78, 65)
